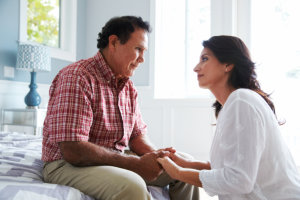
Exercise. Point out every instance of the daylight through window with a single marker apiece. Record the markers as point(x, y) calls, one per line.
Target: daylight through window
point(43, 22)
point(180, 28)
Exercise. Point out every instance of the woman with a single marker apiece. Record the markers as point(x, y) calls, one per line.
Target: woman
point(249, 159)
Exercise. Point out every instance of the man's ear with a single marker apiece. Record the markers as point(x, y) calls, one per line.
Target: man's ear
point(112, 41)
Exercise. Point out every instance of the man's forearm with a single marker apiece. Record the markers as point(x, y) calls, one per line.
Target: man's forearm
point(141, 145)
point(89, 154)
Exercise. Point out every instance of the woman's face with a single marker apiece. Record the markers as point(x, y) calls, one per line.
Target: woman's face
point(210, 71)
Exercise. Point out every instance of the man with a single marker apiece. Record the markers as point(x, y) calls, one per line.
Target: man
point(93, 115)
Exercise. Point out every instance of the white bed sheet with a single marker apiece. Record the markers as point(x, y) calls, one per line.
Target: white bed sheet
point(21, 173)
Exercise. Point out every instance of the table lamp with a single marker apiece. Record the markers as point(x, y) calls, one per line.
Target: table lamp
point(33, 58)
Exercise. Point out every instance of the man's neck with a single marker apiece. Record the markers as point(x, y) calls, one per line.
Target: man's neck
point(109, 61)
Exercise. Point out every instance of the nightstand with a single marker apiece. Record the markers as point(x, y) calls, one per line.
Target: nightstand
point(28, 121)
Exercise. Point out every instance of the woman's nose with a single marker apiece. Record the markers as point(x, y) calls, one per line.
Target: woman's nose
point(196, 68)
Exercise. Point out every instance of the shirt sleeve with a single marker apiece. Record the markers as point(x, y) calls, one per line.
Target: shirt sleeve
point(241, 145)
point(70, 113)
point(140, 126)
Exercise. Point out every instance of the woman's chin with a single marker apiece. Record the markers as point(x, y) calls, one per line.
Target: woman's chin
point(202, 86)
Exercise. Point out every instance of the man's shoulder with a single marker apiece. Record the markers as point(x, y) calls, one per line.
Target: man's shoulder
point(81, 68)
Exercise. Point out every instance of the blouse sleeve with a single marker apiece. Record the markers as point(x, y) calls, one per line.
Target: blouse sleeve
point(241, 144)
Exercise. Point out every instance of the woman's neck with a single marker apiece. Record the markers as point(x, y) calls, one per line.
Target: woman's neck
point(222, 93)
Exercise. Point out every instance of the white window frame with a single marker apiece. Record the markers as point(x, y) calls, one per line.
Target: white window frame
point(224, 20)
point(68, 30)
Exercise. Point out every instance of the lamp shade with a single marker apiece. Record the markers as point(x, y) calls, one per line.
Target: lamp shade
point(33, 57)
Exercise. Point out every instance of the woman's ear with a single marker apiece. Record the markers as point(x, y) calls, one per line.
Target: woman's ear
point(229, 67)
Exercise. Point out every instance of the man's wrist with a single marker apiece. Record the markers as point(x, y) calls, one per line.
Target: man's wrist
point(129, 162)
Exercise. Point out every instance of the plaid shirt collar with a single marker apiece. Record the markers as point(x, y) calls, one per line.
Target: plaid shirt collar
point(107, 73)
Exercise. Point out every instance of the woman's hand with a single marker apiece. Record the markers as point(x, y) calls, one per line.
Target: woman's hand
point(171, 168)
point(180, 160)
point(170, 149)
point(176, 172)
point(148, 167)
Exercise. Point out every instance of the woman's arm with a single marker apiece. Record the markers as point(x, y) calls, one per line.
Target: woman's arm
point(189, 163)
point(186, 175)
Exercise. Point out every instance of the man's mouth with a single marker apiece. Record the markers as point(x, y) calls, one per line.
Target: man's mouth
point(134, 66)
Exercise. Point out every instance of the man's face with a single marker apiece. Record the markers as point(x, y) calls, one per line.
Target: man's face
point(128, 56)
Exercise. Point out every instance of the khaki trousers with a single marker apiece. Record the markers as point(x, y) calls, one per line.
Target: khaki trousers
point(113, 183)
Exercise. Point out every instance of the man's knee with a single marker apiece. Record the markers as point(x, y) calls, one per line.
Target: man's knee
point(134, 187)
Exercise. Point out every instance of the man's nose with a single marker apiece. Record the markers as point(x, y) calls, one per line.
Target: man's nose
point(141, 58)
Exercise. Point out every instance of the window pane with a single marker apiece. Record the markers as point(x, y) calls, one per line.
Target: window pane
point(275, 47)
point(169, 48)
point(43, 17)
point(198, 29)
point(178, 44)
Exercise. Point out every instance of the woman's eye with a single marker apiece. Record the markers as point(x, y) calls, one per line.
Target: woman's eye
point(203, 59)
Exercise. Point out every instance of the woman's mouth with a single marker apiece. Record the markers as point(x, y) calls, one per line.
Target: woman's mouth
point(200, 75)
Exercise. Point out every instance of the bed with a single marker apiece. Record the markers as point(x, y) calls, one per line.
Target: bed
point(21, 172)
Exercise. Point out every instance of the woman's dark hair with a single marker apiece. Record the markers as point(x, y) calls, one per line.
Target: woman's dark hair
point(232, 50)
point(121, 27)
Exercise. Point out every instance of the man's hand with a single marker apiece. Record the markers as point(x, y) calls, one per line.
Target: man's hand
point(148, 167)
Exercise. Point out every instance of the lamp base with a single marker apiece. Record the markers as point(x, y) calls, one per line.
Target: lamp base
point(32, 99)
point(32, 107)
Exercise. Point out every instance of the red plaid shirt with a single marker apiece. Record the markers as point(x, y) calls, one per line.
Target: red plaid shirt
point(87, 105)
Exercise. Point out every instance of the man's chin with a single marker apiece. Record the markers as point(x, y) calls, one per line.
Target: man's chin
point(130, 74)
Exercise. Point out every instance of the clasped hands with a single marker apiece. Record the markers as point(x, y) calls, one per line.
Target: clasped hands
point(154, 163)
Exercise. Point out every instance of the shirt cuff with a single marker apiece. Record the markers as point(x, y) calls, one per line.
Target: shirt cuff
point(208, 180)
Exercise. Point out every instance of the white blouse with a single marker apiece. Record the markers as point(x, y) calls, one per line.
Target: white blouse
point(249, 158)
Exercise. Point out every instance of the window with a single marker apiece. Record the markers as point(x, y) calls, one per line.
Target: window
point(275, 48)
point(61, 15)
point(43, 22)
point(180, 27)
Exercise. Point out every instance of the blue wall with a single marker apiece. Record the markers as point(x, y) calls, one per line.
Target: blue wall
point(9, 35)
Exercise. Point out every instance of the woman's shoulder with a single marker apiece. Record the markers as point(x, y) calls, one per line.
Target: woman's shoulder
point(248, 98)
point(244, 94)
